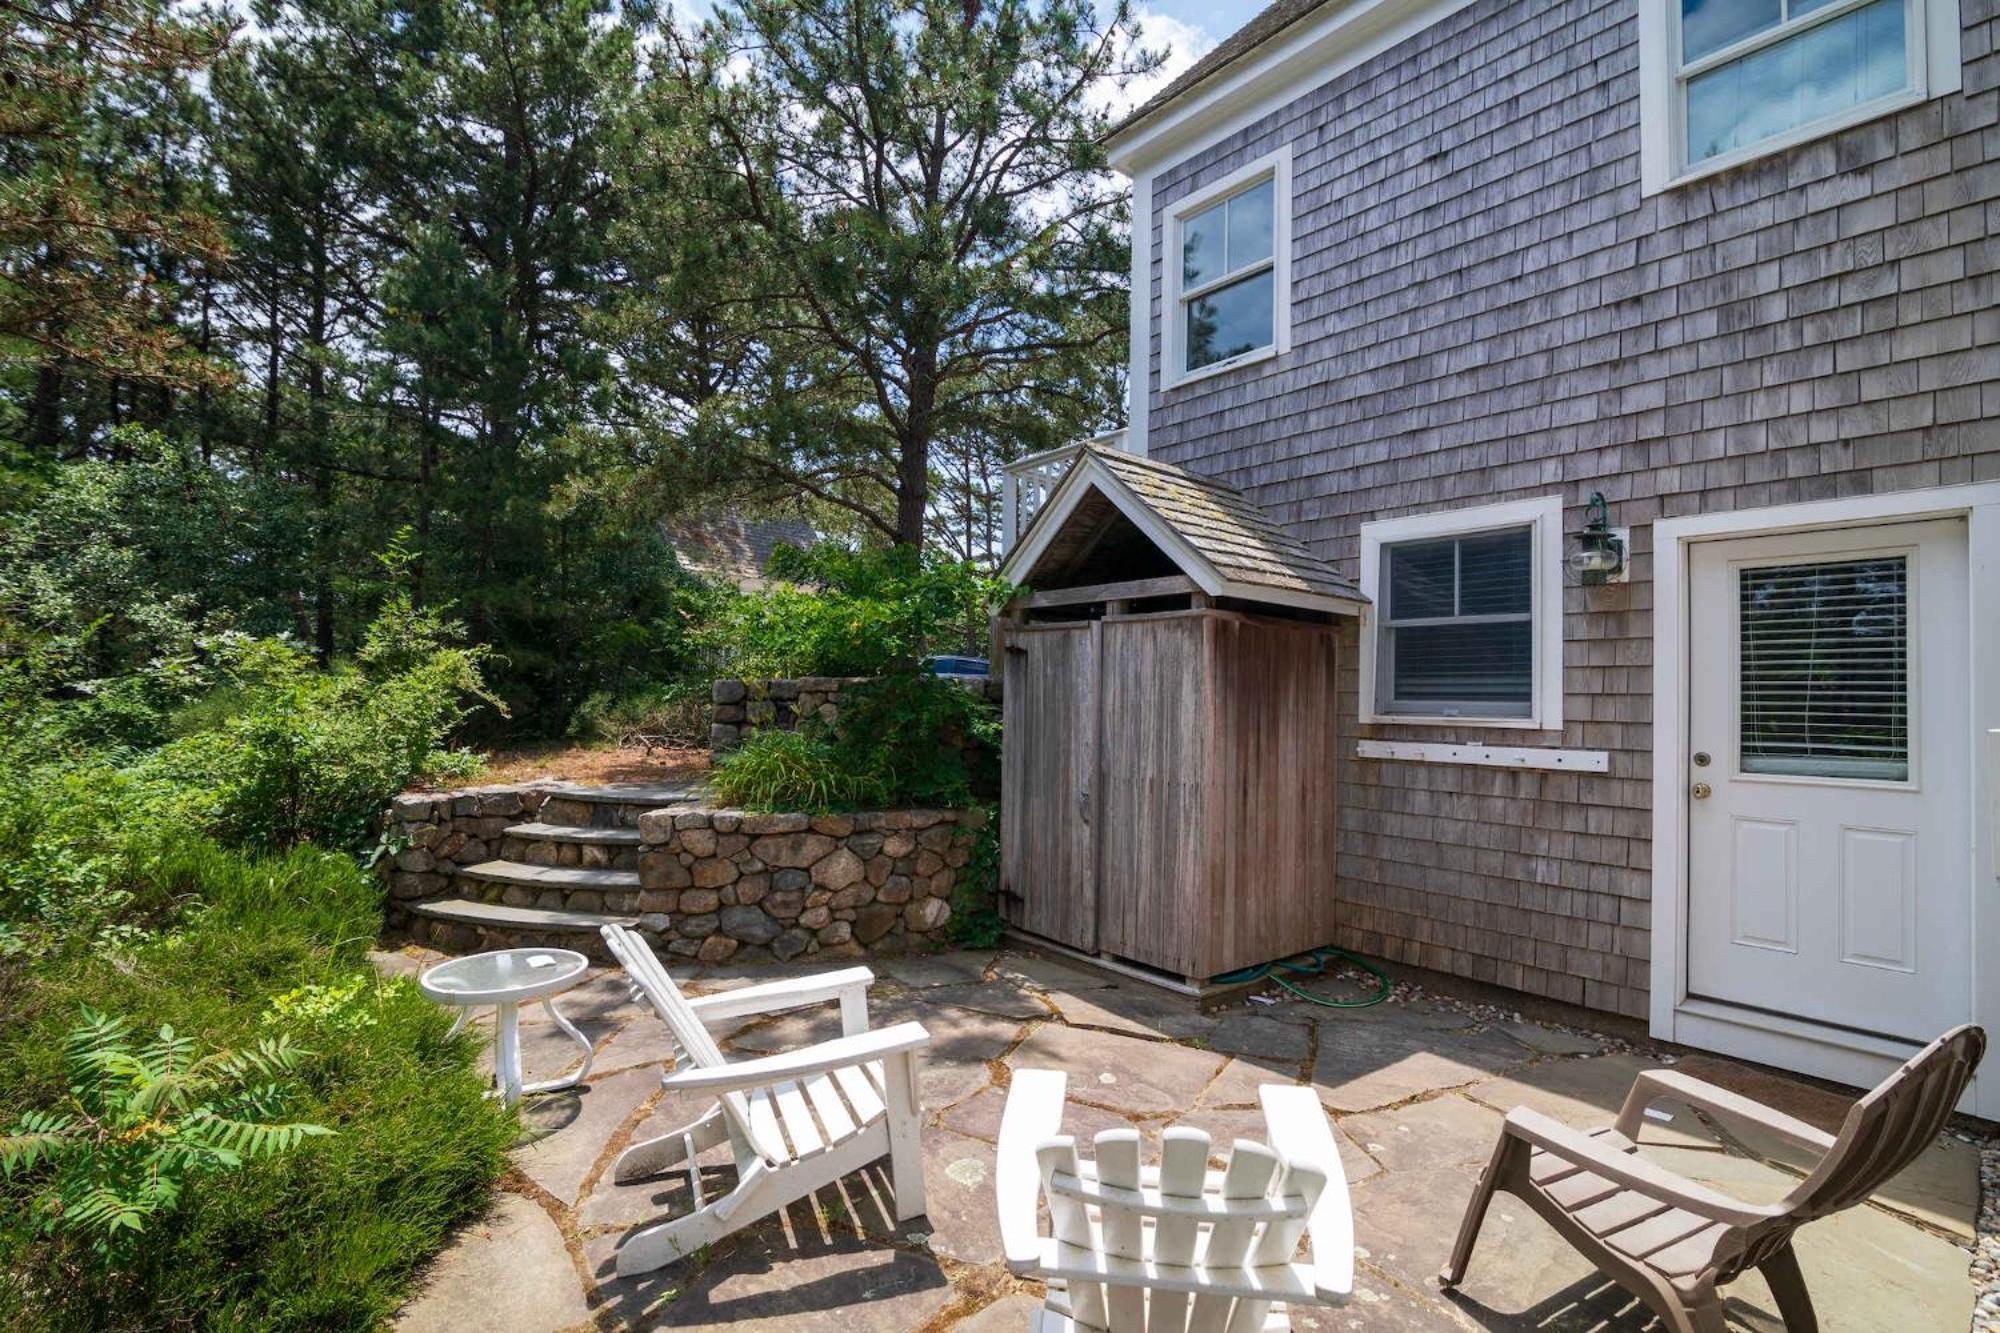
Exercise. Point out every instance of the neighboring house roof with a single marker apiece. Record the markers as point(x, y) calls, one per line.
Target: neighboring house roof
point(733, 547)
point(1206, 528)
point(1268, 23)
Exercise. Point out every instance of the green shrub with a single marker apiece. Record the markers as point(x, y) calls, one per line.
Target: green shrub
point(976, 921)
point(841, 612)
point(675, 712)
point(917, 739)
point(788, 770)
point(905, 738)
point(295, 754)
point(328, 1236)
point(140, 1123)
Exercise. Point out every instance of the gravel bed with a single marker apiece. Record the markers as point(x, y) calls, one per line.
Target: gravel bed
point(1986, 1252)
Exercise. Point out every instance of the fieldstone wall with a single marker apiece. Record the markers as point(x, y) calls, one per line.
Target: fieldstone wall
point(740, 707)
point(721, 884)
point(707, 883)
point(441, 831)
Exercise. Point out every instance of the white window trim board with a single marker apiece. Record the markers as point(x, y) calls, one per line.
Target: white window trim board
point(1544, 515)
point(1811, 1048)
point(1137, 397)
point(1487, 756)
point(1277, 167)
point(1937, 71)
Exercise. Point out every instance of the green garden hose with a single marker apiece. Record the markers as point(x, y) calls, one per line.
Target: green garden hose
point(1313, 963)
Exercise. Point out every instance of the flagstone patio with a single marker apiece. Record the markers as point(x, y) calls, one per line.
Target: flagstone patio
point(1417, 1088)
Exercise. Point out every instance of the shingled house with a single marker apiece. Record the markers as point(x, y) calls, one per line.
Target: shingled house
point(1417, 281)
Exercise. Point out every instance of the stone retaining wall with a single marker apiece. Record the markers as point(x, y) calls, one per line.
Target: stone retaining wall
point(441, 831)
point(741, 707)
point(720, 884)
point(712, 883)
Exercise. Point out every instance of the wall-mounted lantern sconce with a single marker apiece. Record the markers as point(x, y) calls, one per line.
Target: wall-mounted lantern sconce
point(1602, 549)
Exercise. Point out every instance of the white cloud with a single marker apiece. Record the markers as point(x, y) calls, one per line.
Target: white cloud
point(1180, 43)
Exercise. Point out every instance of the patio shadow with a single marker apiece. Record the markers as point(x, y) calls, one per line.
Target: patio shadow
point(834, 1263)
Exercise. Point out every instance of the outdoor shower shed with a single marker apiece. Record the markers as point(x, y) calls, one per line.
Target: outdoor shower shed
point(1168, 781)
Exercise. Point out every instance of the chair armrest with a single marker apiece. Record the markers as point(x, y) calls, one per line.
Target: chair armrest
point(1655, 1084)
point(1631, 1170)
point(840, 1053)
point(772, 997)
point(1032, 1116)
point(1299, 1131)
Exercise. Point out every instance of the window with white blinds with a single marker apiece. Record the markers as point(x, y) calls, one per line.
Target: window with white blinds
point(1457, 626)
point(1825, 669)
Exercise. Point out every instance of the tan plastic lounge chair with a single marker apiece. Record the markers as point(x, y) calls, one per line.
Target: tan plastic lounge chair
point(795, 1122)
point(1673, 1243)
point(1180, 1248)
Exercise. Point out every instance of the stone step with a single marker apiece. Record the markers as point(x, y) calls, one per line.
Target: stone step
point(651, 795)
point(552, 877)
point(602, 837)
point(613, 805)
point(494, 916)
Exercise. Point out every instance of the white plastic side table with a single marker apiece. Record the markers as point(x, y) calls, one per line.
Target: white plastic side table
point(507, 979)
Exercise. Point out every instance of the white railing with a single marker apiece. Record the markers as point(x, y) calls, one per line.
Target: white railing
point(1028, 482)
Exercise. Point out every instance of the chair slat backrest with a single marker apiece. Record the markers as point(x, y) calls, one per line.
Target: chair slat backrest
point(690, 1033)
point(1203, 1233)
point(1891, 1125)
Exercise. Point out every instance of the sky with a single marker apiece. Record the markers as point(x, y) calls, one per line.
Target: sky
point(1183, 30)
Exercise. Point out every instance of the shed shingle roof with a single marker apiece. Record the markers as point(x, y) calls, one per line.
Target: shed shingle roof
point(1239, 541)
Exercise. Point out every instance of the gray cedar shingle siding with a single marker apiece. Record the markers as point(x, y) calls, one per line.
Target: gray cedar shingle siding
point(1486, 308)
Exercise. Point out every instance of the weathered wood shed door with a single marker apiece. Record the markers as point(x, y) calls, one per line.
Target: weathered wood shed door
point(1048, 880)
point(1157, 722)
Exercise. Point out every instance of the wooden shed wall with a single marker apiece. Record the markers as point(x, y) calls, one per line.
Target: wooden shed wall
point(1047, 861)
point(1211, 811)
point(1274, 838)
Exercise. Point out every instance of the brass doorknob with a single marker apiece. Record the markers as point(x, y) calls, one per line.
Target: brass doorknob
point(1702, 791)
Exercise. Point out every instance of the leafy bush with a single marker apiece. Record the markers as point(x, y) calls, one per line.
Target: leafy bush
point(114, 897)
point(304, 755)
point(138, 1124)
point(976, 921)
point(917, 739)
point(675, 713)
point(327, 1236)
point(905, 738)
point(842, 612)
point(789, 770)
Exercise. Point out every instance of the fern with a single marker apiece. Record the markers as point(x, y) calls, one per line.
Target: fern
point(140, 1123)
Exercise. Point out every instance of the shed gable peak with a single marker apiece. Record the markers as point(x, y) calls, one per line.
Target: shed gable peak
point(1116, 516)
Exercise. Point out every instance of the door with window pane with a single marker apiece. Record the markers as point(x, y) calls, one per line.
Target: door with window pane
point(1829, 750)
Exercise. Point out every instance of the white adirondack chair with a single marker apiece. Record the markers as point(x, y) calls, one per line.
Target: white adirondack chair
point(795, 1122)
point(1177, 1248)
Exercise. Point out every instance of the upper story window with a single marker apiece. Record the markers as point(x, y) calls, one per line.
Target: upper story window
point(1727, 81)
point(1228, 271)
point(1466, 616)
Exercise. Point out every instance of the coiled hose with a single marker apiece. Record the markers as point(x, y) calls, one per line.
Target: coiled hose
point(1313, 963)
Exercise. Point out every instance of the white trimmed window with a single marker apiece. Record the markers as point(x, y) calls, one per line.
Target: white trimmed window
point(1229, 271)
point(1465, 617)
point(1726, 81)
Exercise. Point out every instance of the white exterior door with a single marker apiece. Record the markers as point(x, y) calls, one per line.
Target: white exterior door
point(1829, 763)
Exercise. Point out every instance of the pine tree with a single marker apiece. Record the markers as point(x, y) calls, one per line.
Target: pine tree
point(97, 217)
point(934, 247)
